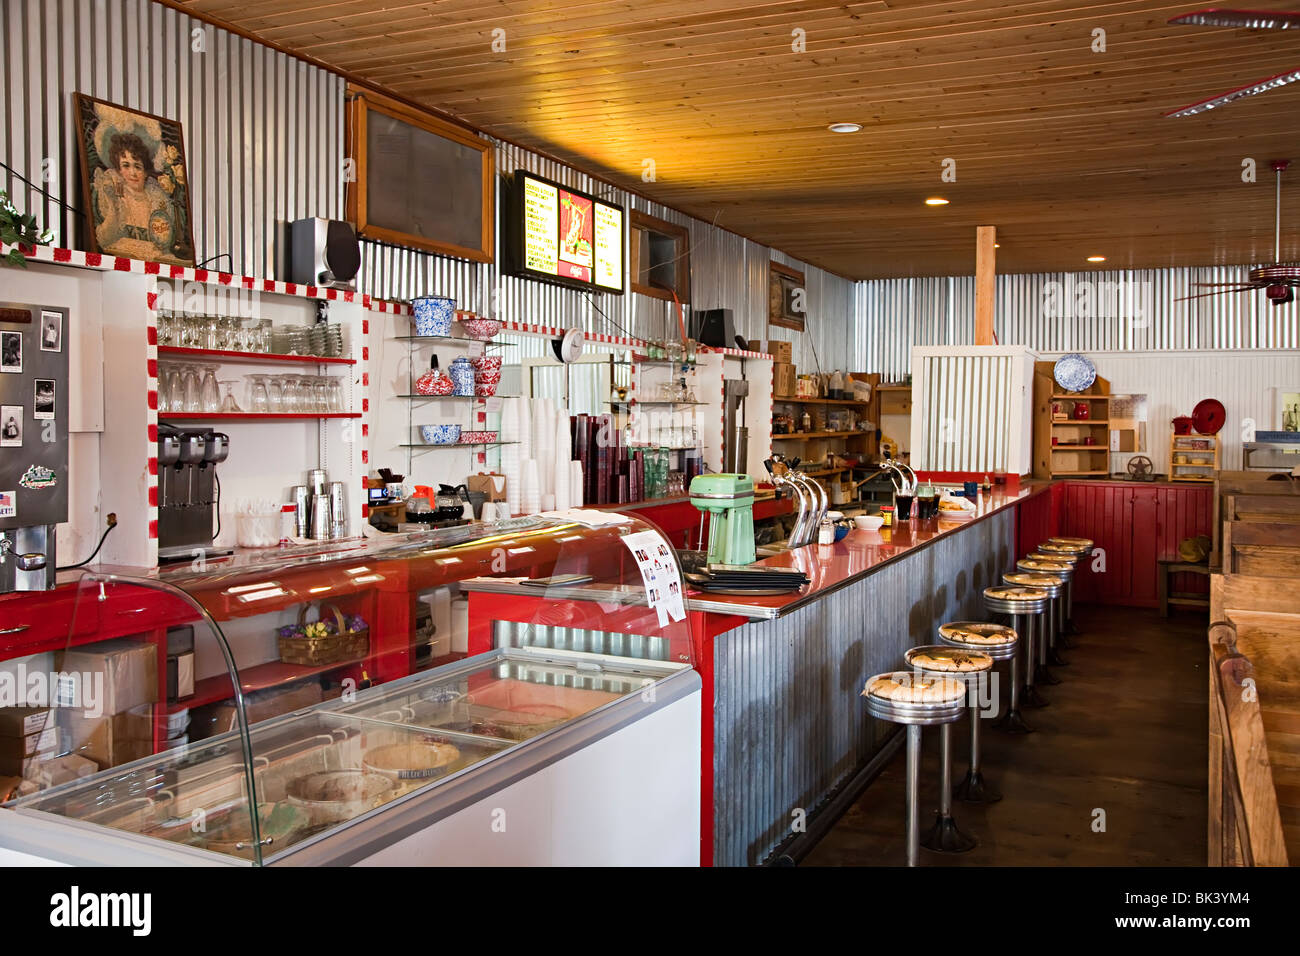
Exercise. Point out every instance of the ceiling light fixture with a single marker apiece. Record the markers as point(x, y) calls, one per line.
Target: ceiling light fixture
point(1250, 89)
point(1096, 258)
point(844, 127)
point(936, 201)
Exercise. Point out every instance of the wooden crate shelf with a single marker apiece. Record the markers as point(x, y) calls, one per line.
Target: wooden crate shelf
point(1070, 456)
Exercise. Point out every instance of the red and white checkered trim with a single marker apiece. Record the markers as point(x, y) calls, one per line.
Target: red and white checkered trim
point(387, 306)
point(104, 263)
point(151, 416)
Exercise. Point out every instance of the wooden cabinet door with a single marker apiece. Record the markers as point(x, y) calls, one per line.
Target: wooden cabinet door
point(1102, 512)
point(1146, 545)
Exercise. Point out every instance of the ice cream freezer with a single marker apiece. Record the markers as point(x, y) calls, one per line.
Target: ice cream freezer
point(520, 755)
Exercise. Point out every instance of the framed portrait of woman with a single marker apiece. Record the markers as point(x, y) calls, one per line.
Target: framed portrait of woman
point(135, 183)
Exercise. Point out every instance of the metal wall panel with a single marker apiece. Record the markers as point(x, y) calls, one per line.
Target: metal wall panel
point(1113, 310)
point(263, 131)
point(789, 724)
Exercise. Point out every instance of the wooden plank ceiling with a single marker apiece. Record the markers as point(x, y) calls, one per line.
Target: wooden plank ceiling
point(1063, 149)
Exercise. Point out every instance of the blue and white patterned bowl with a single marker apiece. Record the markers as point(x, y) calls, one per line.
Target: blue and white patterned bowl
point(440, 434)
point(433, 315)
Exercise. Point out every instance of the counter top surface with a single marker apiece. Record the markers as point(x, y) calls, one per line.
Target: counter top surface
point(833, 566)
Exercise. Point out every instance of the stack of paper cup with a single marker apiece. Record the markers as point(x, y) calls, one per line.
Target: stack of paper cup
point(510, 420)
point(576, 484)
point(560, 463)
point(530, 497)
point(489, 512)
point(513, 470)
point(543, 439)
point(524, 423)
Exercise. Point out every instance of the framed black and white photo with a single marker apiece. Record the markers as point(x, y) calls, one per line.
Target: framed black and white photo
point(43, 404)
point(51, 332)
point(11, 426)
point(11, 351)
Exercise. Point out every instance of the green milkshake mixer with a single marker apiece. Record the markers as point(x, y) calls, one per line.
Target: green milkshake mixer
point(729, 501)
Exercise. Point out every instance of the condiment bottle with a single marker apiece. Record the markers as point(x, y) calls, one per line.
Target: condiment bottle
point(807, 422)
point(987, 486)
point(826, 533)
point(887, 513)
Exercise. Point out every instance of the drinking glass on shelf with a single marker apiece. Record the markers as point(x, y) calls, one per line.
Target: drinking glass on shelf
point(164, 328)
point(175, 388)
point(289, 394)
point(336, 394)
point(164, 396)
point(210, 396)
point(211, 331)
point(191, 389)
point(321, 389)
point(264, 335)
point(274, 394)
point(258, 400)
point(228, 403)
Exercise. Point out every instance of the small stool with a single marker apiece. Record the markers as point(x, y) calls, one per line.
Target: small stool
point(1168, 566)
point(997, 643)
point(1020, 602)
point(1054, 588)
point(905, 698)
point(1076, 549)
point(1061, 567)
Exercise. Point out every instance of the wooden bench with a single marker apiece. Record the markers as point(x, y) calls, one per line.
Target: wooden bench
point(1251, 483)
point(1166, 568)
point(1261, 548)
point(1254, 755)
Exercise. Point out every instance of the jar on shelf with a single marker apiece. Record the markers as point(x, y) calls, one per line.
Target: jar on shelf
point(462, 376)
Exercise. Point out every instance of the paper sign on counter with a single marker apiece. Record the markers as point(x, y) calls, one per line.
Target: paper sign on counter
point(658, 566)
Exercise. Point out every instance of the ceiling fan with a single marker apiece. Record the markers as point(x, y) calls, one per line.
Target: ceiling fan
point(1278, 279)
point(1239, 19)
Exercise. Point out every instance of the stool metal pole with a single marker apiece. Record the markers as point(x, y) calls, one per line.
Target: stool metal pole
point(944, 837)
point(1044, 620)
point(973, 789)
point(1031, 696)
point(913, 777)
point(1053, 655)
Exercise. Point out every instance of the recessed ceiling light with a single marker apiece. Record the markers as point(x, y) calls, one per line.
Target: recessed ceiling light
point(936, 201)
point(1096, 258)
point(844, 127)
point(997, 245)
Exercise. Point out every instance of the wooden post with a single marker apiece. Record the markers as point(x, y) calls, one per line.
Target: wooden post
point(985, 270)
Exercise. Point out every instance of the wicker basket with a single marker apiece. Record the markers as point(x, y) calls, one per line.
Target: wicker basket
point(344, 645)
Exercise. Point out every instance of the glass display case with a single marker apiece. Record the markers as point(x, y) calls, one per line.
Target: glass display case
point(354, 703)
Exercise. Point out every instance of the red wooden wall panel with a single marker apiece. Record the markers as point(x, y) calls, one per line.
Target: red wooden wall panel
point(1185, 511)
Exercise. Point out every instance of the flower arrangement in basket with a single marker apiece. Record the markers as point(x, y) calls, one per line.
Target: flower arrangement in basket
point(325, 640)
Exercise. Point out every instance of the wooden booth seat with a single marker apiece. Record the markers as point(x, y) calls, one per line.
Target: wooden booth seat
point(1254, 771)
point(1261, 548)
point(1248, 488)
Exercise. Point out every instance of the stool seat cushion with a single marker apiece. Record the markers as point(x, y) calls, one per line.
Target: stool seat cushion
point(937, 657)
point(1044, 563)
point(977, 632)
point(1074, 542)
point(915, 689)
point(1032, 580)
point(1014, 592)
point(1073, 550)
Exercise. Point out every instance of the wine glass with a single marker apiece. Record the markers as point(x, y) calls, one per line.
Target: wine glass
point(210, 396)
point(258, 400)
point(228, 403)
point(192, 391)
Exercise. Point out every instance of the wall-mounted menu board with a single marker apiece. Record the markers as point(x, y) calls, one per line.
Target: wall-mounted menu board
point(418, 181)
point(561, 235)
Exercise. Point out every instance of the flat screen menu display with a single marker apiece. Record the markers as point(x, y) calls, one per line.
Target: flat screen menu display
point(567, 236)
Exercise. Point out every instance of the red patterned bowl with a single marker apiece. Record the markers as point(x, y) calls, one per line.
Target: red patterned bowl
point(489, 378)
point(481, 329)
point(488, 363)
point(478, 438)
point(485, 389)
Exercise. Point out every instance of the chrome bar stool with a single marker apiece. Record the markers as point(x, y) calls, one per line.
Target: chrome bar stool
point(971, 668)
point(1077, 549)
point(902, 697)
point(1054, 588)
point(997, 643)
point(1024, 606)
point(1061, 567)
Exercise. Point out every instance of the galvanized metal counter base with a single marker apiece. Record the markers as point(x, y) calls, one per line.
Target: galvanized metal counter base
point(789, 724)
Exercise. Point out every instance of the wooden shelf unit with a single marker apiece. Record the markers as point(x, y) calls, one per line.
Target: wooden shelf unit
point(815, 445)
point(1206, 465)
point(1070, 455)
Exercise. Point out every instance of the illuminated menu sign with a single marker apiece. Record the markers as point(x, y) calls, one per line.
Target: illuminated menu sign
point(541, 227)
point(609, 246)
point(568, 235)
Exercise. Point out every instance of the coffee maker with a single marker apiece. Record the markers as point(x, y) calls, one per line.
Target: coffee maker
point(33, 442)
point(188, 490)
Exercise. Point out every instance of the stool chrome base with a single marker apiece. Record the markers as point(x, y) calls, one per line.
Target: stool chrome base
point(1044, 676)
point(1012, 722)
point(974, 789)
point(944, 837)
point(1029, 697)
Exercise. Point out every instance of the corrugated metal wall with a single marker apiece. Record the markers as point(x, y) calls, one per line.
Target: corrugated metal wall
point(966, 403)
point(1125, 310)
point(263, 131)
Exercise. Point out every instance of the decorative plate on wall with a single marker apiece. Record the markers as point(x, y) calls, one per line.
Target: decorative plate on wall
point(1209, 416)
point(1073, 372)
